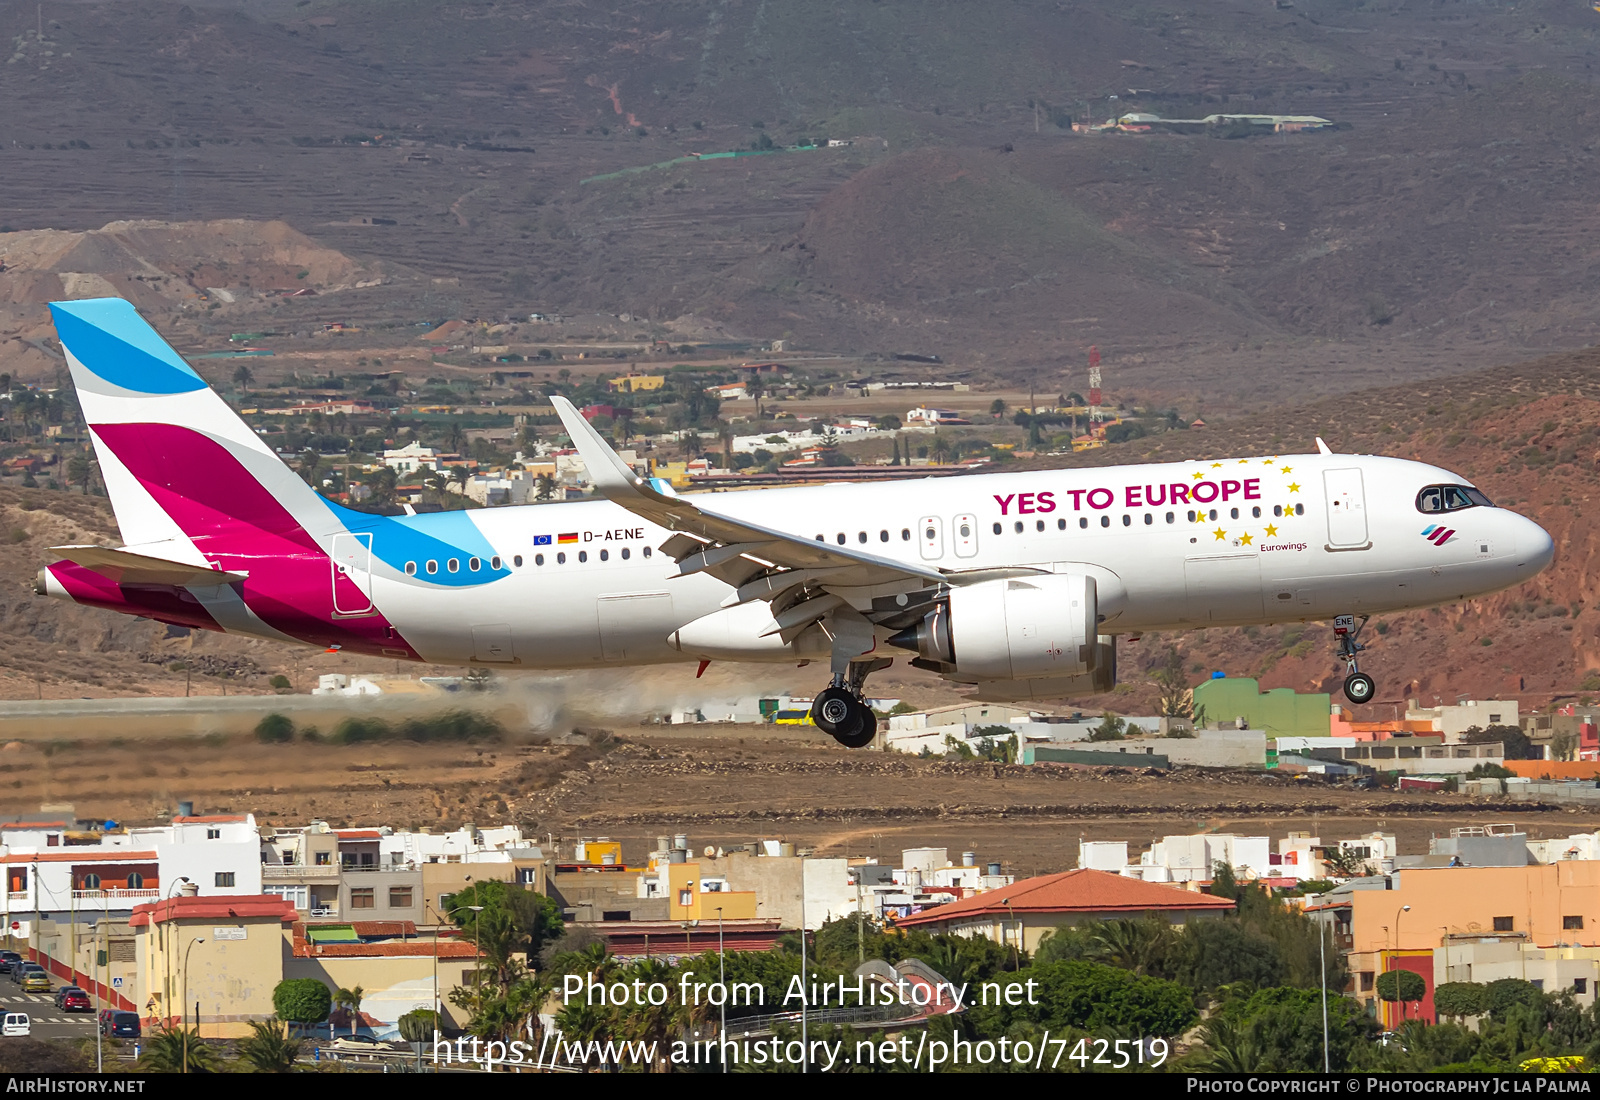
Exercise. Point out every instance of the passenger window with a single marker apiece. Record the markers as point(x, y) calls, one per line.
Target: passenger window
point(454, 565)
point(997, 530)
point(821, 539)
point(1148, 519)
point(1127, 520)
point(1040, 525)
point(411, 569)
point(432, 566)
point(583, 555)
point(1083, 522)
point(862, 537)
point(517, 561)
point(905, 534)
point(1255, 513)
point(1213, 513)
point(1061, 525)
point(1019, 527)
point(538, 559)
point(1299, 509)
point(1170, 517)
point(625, 553)
point(605, 555)
point(1191, 515)
point(1233, 513)
point(647, 551)
point(561, 558)
point(474, 564)
point(841, 538)
point(1277, 509)
point(495, 562)
point(883, 536)
point(1105, 521)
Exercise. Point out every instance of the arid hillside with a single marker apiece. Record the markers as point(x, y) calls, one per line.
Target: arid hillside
point(539, 156)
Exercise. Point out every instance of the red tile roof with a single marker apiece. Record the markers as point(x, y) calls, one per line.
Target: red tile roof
point(1072, 892)
point(33, 825)
point(75, 854)
point(358, 834)
point(388, 949)
point(215, 907)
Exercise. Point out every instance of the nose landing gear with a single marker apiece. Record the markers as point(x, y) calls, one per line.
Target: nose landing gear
point(839, 709)
point(1358, 686)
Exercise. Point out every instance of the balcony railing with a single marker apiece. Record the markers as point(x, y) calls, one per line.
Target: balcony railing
point(300, 872)
point(349, 867)
point(116, 895)
point(325, 911)
point(15, 896)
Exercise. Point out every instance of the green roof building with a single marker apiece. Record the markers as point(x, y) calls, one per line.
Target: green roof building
point(1280, 712)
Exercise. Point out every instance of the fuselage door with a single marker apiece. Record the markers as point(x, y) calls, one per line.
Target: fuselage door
point(352, 574)
point(964, 536)
point(1347, 510)
point(931, 532)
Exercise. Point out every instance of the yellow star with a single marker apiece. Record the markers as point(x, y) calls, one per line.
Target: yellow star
point(1244, 462)
point(1293, 487)
point(1284, 470)
point(1268, 461)
point(1221, 534)
point(1198, 475)
point(1216, 465)
point(1244, 540)
point(1271, 530)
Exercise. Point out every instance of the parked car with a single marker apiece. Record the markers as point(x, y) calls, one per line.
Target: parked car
point(9, 957)
point(121, 1024)
point(69, 998)
point(358, 1044)
point(35, 981)
point(16, 1024)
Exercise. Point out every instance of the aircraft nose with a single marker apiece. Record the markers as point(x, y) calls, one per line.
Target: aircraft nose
point(1535, 547)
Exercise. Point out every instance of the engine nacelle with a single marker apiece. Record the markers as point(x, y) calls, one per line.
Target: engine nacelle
point(1019, 628)
point(1098, 682)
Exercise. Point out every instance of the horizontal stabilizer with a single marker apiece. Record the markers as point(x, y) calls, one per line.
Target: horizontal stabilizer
point(125, 568)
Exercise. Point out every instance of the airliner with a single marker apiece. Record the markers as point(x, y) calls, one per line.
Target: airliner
point(1017, 585)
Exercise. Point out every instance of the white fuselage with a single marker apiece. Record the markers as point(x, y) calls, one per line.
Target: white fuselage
point(1302, 537)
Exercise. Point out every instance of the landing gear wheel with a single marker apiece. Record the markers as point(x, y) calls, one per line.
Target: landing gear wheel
point(844, 717)
point(1359, 687)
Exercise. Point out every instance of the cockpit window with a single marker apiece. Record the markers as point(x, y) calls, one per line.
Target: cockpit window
point(1450, 498)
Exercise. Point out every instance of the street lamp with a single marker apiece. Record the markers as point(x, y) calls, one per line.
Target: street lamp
point(722, 982)
point(1016, 948)
point(185, 975)
point(166, 953)
point(1395, 960)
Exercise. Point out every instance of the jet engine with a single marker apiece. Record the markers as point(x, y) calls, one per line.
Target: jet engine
point(1019, 628)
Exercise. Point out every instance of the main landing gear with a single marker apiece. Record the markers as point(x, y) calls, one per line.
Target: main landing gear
point(1358, 686)
point(839, 709)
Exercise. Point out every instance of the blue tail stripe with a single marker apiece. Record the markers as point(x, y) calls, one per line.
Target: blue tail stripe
point(109, 338)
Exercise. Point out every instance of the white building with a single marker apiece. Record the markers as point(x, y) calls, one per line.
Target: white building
point(1453, 721)
point(411, 458)
point(1194, 858)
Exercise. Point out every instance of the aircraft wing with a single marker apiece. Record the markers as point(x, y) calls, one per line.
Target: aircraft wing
point(761, 563)
point(123, 567)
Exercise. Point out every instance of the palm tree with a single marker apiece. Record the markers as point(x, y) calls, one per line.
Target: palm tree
point(242, 377)
point(1230, 1049)
point(166, 1052)
point(269, 1049)
point(1136, 945)
point(941, 448)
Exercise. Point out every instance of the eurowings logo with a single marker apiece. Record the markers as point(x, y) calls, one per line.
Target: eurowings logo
point(1438, 534)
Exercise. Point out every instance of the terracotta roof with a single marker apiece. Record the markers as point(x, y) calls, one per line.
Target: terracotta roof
point(214, 907)
point(84, 854)
point(33, 825)
point(209, 819)
point(1080, 891)
point(386, 949)
point(358, 834)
